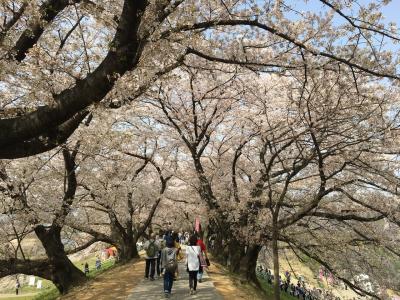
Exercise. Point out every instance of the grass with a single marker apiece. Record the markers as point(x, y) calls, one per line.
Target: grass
point(52, 292)
point(49, 290)
point(49, 294)
point(26, 289)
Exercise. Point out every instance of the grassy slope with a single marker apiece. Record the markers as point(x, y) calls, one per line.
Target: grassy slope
point(49, 290)
point(52, 293)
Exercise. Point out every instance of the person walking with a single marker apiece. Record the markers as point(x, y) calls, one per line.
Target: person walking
point(161, 244)
point(98, 263)
point(193, 263)
point(203, 253)
point(17, 287)
point(169, 265)
point(179, 254)
point(151, 247)
point(86, 269)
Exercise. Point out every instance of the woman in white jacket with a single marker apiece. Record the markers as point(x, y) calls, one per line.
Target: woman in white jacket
point(192, 262)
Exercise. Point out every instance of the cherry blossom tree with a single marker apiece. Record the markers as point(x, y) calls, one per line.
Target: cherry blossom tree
point(26, 207)
point(49, 86)
point(311, 165)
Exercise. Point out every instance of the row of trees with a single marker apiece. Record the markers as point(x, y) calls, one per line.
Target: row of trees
point(280, 126)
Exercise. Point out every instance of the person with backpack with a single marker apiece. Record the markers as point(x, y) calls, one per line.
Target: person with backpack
point(193, 263)
point(151, 247)
point(169, 265)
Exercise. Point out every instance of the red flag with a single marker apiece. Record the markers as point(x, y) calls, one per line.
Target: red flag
point(197, 225)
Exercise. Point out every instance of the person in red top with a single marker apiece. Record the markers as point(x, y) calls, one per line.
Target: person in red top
point(204, 251)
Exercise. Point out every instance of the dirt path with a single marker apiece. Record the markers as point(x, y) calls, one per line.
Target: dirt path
point(153, 290)
point(230, 287)
point(116, 283)
point(126, 282)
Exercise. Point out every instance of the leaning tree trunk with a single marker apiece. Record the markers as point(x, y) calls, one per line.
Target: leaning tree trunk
point(64, 274)
point(275, 256)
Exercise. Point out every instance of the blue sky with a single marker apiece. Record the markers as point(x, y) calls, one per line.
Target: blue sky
point(390, 11)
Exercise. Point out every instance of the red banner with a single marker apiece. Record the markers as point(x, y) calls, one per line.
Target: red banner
point(197, 225)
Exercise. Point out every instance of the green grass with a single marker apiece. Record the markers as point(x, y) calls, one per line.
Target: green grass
point(49, 290)
point(49, 294)
point(105, 265)
point(52, 293)
point(27, 289)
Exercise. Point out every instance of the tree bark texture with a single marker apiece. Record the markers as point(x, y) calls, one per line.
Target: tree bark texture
point(275, 256)
point(61, 270)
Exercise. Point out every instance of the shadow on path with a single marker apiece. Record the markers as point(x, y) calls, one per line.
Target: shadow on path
point(113, 284)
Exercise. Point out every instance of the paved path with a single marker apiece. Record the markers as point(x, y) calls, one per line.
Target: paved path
point(153, 290)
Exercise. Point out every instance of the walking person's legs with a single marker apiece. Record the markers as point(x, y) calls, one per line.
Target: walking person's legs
point(158, 265)
point(152, 267)
point(195, 281)
point(200, 274)
point(146, 274)
point(170, 282)
point(166, 282)
point(191, 279)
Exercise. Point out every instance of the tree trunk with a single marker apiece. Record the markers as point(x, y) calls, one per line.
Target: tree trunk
point(63, 272)
point(242, 262)
point(219, 252)
point(236, 253)
point(248, 263)
point(275, 256)
point(127, 250)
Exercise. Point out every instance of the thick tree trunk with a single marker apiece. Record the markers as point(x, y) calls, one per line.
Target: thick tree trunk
point(63, 272)
point(275, 256)
point(244, 260)
point(219, 252)
point(248, 263)
point(236, 251)
point(127, 250)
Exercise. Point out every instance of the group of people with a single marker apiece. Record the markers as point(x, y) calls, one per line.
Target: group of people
point(298, 290)
point(163, 255)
